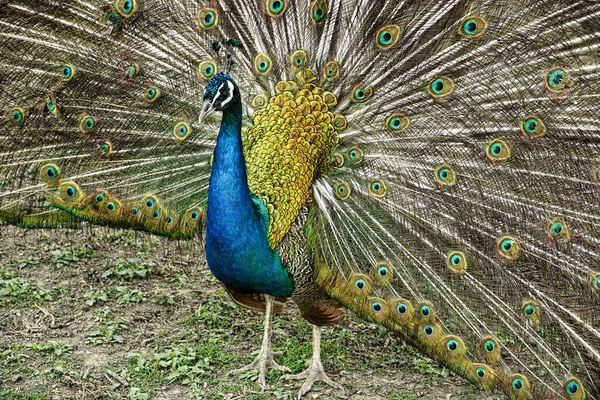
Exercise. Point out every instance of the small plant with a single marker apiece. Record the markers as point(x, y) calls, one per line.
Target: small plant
point(56, 348)
point(71, 254)
point(15, 289)
point(179, 279)
point(165, 298)
point(137, 394)
point(27, 262)
point(108, 332)
point(129, 296)
point(129, 269)
point(94, 296)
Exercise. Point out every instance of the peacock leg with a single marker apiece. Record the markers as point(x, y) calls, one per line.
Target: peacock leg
point(315, 372)
point(264, 360)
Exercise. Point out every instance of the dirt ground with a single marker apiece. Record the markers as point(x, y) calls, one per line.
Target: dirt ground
point(107, 314)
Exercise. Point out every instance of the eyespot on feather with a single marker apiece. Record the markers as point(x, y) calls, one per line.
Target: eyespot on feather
point(558, 229)
point(402, 311)
point(397, 122)
point(340, 123)
point(424, 312)
point(206, 70)
point(67, 72)
point(360, 93)
point(388, 37)
point(342, 190)
point(444, 175)
point(453, 347)
point(87, 123)
point(382, 273)
point(50, 174)
point(331, 70)
point(262, 64)
point(70, 192)
point(126, 7)
point(517, 387)
point(182, 130)
point(151, 94)
point(497, 150)
point(298, 59)
point(532, 127)
point(428, 333)
point(573, 389)
point(378, 308)
point(489, 349)
point(318, 11)
point(483, 375)
point(557, 79)
point(508, 247)
point(472, 27)
point(208, 18)
point(260, 101)
point(531, 311)
point(377, 188)
point(441, 87)
point(17, 115)
point(105, 149)
point(360, 285)
point(275, 8)
point(51, 104)
point(457, 262)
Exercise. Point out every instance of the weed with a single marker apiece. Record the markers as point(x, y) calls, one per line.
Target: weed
point(14, 289)
point(94, 296)
point(165, 298)
point(129, 269)
point(71, 254)
point(129, 296)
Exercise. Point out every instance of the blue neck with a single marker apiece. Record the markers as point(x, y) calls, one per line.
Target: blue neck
point(237, 247)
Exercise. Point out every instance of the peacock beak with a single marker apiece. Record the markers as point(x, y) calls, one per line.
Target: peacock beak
point(207, 108)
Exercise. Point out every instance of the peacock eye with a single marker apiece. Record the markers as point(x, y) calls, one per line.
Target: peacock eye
point(456, 262)
point(529, 310)
point(111, 206)
point(444, 174)
point(298, 58)
point(131, 71)
point(194, 214)
point(156, 214)
point(135, 210)
point(100, 198)
point(18, 115)
point(452, 345)
point(342, 191)
point(397, 122)
point(572, 387)
point(508, 247)
point(489, 346)
point(106, 149)
point(388, 36)
point(472, 27)
point(361, 93)
point(383, 271)
point(262, 64)
point(70, 191)
point(532, 127)
point(441, 87)
point(206, 70)
point(517, 384)
point(259, 101)
point(51, 103)
point(480, 372)
point(67, 72)
point(182, 130)
point(332, 70)
point(275, 8)
point(86, 123)
point(556, 228)
point(170, 220)
point(377, 188)
point(112, 18)
point(151, 94)
point(339, 122)
point(126, 7)
point(401, 308)
point(428, 330)
point(497, 150)
point(425, 310)
point(360, 284)
point(149, 203)
point(376, 306)
point(556, 79)
point(207, 18)
point(318, 11)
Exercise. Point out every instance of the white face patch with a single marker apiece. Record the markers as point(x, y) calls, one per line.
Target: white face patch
point(228, 99)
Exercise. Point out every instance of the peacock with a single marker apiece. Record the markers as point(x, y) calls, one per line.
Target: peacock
point(432, 166)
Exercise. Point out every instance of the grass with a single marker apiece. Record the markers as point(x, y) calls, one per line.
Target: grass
point(153, 315)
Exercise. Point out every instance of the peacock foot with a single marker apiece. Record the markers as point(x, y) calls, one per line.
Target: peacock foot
point(315, 372)
point(262, 363)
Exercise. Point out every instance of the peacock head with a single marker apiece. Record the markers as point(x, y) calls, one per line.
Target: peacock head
point(220, 93)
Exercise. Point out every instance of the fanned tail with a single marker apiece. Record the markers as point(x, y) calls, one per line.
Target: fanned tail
point(464, 209)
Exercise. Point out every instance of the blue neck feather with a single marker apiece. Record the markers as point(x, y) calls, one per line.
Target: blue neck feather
point(237, 248)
